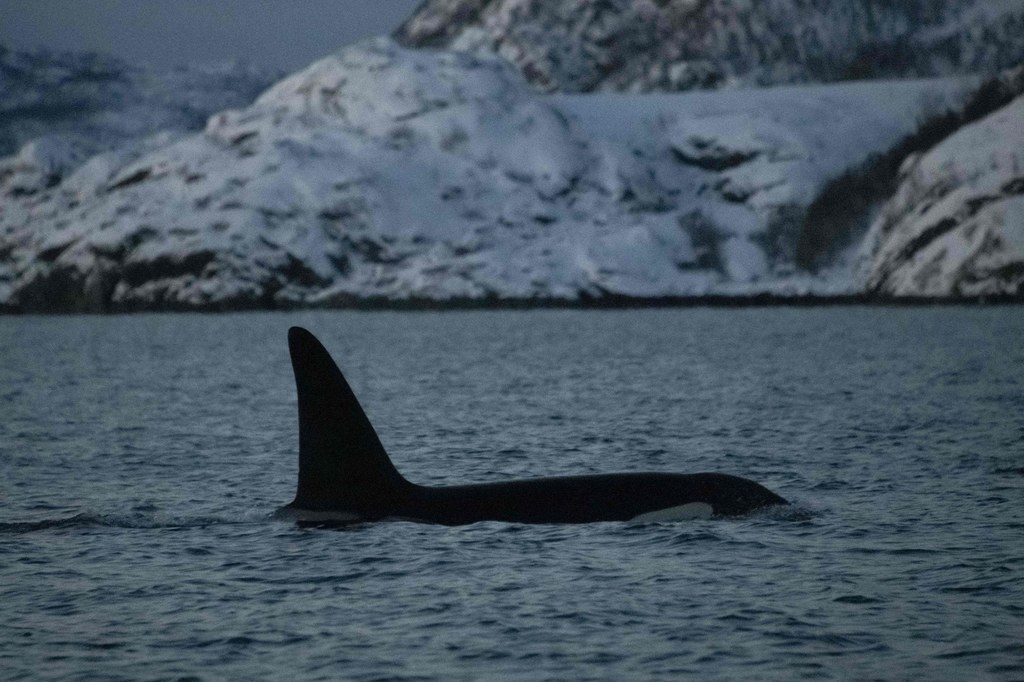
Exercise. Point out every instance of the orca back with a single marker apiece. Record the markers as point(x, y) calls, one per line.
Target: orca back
point(345, 475)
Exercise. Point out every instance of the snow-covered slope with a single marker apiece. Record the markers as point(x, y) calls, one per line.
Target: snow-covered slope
point(82, 104)
point(955, 227)
point(400, 174)
point(658, 45)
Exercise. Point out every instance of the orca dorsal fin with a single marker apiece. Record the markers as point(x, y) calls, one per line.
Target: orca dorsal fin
point(341, 459)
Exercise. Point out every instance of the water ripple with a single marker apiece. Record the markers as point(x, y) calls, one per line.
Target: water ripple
point(141, 455)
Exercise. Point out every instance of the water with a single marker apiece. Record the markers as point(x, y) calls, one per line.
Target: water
point(140, 456)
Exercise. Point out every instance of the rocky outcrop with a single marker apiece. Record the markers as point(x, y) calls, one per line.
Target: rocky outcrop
point(381, 173)
point(955, 226)
point(844, 209)
point(672, 45)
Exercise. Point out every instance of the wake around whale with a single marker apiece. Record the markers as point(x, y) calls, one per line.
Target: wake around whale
point(346, 476)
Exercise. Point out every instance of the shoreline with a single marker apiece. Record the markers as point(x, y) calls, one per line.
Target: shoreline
point(604, 302)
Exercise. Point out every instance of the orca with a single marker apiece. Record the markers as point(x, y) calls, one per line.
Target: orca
point(346, 476)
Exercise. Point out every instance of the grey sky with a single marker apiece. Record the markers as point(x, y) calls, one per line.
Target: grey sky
point(284, 34)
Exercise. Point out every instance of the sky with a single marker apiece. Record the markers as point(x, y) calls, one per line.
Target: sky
point(277, 34)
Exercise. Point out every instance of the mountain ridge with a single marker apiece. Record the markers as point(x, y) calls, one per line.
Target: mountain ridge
point(675, 45)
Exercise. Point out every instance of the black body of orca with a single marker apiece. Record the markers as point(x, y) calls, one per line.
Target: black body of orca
point(345, 475)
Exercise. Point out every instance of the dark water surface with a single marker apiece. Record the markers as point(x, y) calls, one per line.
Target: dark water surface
point(141, 455)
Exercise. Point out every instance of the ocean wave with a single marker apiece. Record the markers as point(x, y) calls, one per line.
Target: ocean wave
point(123, 520)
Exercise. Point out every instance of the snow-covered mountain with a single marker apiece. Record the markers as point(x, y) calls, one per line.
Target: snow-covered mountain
point(669, 45)
point(955, 226)
point(82, 104)
point(386, 173)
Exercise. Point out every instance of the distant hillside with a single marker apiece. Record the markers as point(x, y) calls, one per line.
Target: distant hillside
point(95, 102)
point(386, 174)
point(671, 45)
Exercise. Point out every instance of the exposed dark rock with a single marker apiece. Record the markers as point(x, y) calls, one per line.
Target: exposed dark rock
point(166, 266)
point(713, 158)
point(131, 179)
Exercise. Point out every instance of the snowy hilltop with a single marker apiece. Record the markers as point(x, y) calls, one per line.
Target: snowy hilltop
point(673, 45)
point(383, 173)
